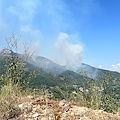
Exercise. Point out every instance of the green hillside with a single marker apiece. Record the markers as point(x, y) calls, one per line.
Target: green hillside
point(100, 92)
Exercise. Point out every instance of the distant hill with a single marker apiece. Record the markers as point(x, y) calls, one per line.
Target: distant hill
point(55, 75)
point(46, 64)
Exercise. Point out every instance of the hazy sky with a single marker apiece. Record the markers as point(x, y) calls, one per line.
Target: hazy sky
point(66, 31)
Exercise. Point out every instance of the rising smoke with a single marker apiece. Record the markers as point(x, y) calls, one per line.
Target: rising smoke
point(72, 53)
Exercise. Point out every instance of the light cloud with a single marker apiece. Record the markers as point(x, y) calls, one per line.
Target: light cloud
point(3, 25)
point(35, 36)
point(113, 67)
point(116, 67)
point(72, 53)
point(36, 46)
point(30, 32)
point(100, 66)
point(24, 9)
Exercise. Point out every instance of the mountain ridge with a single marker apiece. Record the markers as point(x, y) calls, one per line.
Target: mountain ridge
point(67, 84)
point(54, 68)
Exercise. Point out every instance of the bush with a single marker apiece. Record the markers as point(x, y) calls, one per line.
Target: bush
point(14, 80)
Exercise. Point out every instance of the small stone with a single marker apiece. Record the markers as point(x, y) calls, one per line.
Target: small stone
point(20, 106)
point(31, 97)
point(62, 103)
point(35, 115)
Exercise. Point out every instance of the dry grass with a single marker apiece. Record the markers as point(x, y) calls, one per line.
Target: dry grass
point(14, 105)
point(10, 97)
point(42, 109)
point(8, 107)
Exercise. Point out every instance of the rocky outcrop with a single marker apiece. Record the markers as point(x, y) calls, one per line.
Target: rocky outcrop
point(42, 109)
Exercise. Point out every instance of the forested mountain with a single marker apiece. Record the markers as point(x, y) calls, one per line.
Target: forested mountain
point(53, 75)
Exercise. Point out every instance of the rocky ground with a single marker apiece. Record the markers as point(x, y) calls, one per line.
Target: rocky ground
point(31, 108)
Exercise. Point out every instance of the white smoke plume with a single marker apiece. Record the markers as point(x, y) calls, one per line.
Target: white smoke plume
point(72, 53)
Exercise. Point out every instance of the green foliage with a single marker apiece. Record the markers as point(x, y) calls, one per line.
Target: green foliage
point(13, 71)
point(100, 93)
point(108, 84)
point(13, 80)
